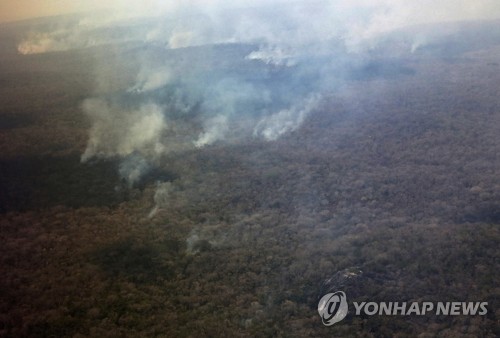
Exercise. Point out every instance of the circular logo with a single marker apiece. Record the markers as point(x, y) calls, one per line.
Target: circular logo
point(332, 308)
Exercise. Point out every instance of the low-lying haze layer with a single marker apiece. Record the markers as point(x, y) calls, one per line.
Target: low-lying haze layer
point(192, 74)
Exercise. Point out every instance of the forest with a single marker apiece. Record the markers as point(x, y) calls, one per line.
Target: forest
point(388, 190)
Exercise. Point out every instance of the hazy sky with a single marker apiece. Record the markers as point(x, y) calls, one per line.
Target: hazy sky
point(11, 10)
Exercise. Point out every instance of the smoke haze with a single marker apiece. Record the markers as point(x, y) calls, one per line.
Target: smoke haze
point(192, 74)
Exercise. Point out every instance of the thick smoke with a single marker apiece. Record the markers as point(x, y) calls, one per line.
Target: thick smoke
point(287, 120)
point(193, 74)
point(118, 131)
point(280, 25)
point(151, 79)
point(84, 31)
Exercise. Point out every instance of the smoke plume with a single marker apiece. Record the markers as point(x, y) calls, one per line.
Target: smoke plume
point(190, 74)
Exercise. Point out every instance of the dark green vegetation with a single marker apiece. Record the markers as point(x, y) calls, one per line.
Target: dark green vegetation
point(396, 176)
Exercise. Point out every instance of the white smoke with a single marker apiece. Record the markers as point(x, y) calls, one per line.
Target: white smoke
point(161, 196)
point(38, 43)
point(57, 41)
point(133, 168)
point(84, 31)
point(150, 79)
point(281, 57)
point(273, 56)
point(224, 104)
point(121, 132)
point(386, 16)
point(298, 25)
point(287, 120)
point(215, 129)
point(419, 42)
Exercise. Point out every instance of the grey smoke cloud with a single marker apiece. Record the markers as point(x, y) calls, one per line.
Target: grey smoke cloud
point(132, 168)
point(292, 24)
point(215, 71)
point(84, 31)
point(118, 131)
point(150, 79)
point(273, 126)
